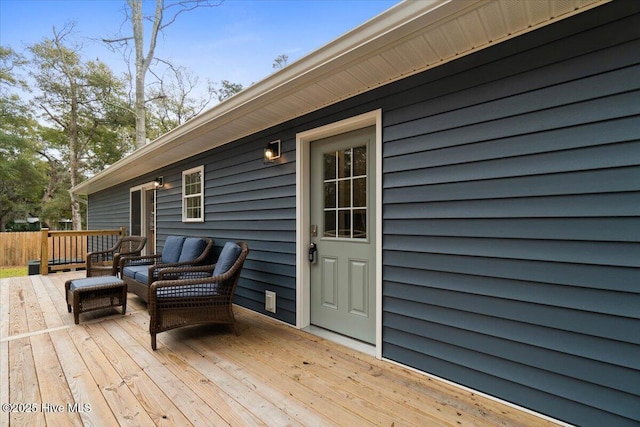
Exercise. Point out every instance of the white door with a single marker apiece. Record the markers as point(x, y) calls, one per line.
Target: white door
point(343, 229)
point(143, 215)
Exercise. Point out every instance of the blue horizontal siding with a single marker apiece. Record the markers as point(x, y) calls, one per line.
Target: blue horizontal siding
point(511, 222)
point(615, 229)
point(613, 279)
point(244, 200)
point(585, 252)
point(109, 210)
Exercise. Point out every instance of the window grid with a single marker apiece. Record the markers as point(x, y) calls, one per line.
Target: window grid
point(342, 214)
point(193, 195)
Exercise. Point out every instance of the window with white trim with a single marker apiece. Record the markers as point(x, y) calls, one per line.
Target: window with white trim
point(193, 195)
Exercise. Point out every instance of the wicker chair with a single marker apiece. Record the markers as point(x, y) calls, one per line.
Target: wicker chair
point(189, 296)
point(106, 263)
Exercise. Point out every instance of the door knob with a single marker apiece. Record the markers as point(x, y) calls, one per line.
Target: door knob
point(312, 252)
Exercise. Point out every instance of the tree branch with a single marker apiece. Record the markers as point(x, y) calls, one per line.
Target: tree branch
point(54, 118)
point(121, 40)
point(187, 6)
point(157, 22)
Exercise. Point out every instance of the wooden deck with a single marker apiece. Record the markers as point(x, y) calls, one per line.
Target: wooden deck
point(103, 372)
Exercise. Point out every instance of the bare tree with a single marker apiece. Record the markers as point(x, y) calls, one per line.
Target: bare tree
point(165, 14)
point(175, 99)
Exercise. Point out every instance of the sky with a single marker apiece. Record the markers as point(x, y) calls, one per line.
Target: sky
point(236, 41)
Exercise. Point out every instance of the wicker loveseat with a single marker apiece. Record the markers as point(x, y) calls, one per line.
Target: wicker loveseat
point(138, 272)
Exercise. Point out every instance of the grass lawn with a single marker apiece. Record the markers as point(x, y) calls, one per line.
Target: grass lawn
point(6, 272)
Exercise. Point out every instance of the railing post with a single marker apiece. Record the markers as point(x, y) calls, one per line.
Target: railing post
point(44, 251)
point(123, 232)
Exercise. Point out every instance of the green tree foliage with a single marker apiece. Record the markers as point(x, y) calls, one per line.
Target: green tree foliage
point(280, 62)
point(228, 89)
point(84, 104)
point(75, 117)
point(22, 174)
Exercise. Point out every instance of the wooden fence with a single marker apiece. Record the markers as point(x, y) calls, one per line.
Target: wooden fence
point(16, 249)
point(55, 250)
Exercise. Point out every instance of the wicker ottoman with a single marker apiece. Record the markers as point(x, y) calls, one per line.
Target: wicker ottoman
point(94, 293)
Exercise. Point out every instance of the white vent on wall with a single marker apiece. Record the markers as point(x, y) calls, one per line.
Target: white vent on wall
point(270, 301)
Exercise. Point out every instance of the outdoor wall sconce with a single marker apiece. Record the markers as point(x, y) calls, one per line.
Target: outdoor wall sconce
point(272, 151)
point(159, 182)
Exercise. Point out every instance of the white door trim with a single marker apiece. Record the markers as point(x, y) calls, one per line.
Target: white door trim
point(303, 207)
point(148, 186)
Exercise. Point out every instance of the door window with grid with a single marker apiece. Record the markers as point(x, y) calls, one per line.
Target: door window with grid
point(345, 193)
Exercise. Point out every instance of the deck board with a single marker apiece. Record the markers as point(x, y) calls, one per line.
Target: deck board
point(85, 391)
point(52, 317)
point(4, 348)
point(235, 401)
point(52, 389)
point(160, 408)
point(271, 374)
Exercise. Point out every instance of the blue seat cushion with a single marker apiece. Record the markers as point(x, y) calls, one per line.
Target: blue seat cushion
point(137, 272)
point(192, 249)
point(142, 275)
point(172, 249)
point(230, 253)
point(94, 281)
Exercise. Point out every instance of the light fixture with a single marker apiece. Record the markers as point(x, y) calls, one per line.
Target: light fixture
point(272, 151)
point(159, 182)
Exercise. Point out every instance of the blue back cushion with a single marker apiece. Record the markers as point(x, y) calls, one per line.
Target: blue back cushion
point(192, 249)
point(228, 256)
point(172, 249)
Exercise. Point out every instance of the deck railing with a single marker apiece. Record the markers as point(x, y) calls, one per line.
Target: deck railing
point(67, 250)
